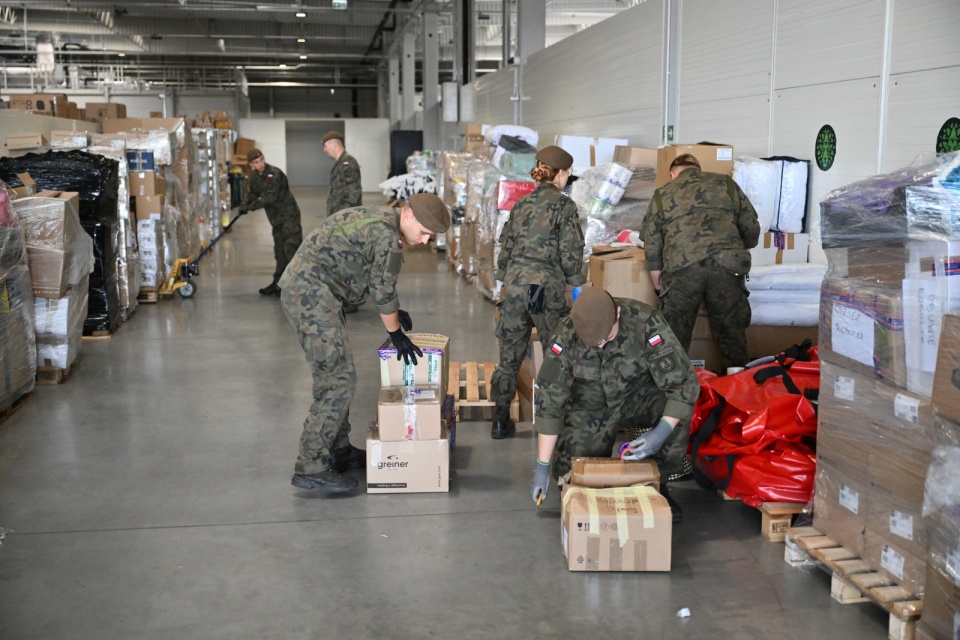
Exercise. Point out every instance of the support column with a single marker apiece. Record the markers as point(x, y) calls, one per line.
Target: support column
point(531, 27)
point(669, 90)
point(408, 82)
point(431, 76)
point(393, 83)
point(468, 43)
point(505, 33)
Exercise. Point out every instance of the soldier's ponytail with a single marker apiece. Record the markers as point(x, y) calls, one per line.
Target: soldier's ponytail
point(543, 172)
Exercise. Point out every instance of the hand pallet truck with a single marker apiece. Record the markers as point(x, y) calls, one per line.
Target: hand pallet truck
point(185, 268)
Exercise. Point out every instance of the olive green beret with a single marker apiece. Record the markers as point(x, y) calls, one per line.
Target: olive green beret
point(555, 157)
point(253, 154)
point(430, 211)
point(332, 135)
point(593, 313)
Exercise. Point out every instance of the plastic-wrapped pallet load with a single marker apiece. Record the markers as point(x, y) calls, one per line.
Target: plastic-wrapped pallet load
point(497, 205)
point(481, 176)
point(453, 192)
point(18, 352)
point(60, 326)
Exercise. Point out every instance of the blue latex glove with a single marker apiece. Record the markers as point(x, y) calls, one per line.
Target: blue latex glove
point(540, 484)
point(575, 293)
point(649, 443)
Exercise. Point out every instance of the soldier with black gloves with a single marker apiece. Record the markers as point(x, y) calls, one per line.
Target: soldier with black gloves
point(541, 253)
point(353, 254)
point(269, 190)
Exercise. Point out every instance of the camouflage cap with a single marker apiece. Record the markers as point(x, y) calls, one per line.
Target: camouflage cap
point(253, 154)
point(555, 157)
point(332, 135)
point(685, 160)
point(593, 313)
point(430, 211)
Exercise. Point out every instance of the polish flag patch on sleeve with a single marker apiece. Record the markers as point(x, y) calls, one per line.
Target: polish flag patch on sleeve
point(655, 340)
point(557, 349)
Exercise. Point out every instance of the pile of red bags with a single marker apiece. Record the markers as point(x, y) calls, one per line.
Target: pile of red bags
point(753, 434)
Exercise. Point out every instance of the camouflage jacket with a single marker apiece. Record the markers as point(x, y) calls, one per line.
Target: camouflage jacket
point(270, 190)
point(695, 216)
point(353, 253)
point(345, 188)
point(645, 357)
point(542, 242)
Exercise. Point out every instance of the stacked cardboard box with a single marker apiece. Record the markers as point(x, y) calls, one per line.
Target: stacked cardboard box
point(408, 449)
point(613, 517)
point(18, 352)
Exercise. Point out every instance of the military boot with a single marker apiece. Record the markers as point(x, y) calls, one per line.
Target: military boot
point(675, 510)
point(349, 457)
point(271, 289)
point(330, 480)
point(503, 426)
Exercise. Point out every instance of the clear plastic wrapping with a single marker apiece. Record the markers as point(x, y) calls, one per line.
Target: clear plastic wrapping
point(60, 326)
point(403, 186)
point(453, 178)
point(941, 511)
point(422, 163)
point(18, 352)
point(161, 142)
point(600, 188)
point(69, 139)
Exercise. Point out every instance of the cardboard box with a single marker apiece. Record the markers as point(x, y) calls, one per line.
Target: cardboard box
point(432, 368)
point(622, 272)
point(473, 138)
point(146, 183)
point(45, 103)
point(705, 354)
point(100, 111)
point(776, 247)
point(840, 505)
point(509, 191)
point(54, 237)
point(635, 156)
point(896, 563)
point(764, 340)
point(622, 529)
point(243, 145)
point(146, 207)
point(607, 473)
point(24, 140)
point(946, 381)
point(407, 466)
point(410, 413)
point(897, 519)
point(27, 188)
point(878, 264)
point(941, 604)
point(588, 151)
point(713, 157)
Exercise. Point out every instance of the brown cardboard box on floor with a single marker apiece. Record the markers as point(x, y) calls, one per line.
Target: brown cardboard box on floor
point(606, 473)
point(622, 529)
point(407, 466)
point(840, 505)
point(410, 413)
point(895, 562)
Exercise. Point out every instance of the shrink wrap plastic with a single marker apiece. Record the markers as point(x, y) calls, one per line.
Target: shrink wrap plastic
point(18, 352)
point(60, 326)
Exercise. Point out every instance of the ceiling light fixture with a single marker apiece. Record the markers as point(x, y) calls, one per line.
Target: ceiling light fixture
point(301, 40)
point(122, 54)
point(303, 56)
point(301, 14)
point(340, 4)
point(283, 66)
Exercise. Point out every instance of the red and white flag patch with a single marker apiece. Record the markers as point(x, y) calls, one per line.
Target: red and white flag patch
point(655, 340)
point(557, 349)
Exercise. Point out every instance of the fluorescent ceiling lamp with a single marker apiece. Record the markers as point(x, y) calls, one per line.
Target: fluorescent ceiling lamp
point(301, 40)
point(283, 66)
point(301, 14)
point(303, 57)
point(122, 54)
point(339, 4)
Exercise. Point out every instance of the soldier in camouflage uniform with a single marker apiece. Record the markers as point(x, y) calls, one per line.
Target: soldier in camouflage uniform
point(696, 234)
point(541, 253)
point(350, 255)
point(345, 188)
point(269, 190)
point(612, 363)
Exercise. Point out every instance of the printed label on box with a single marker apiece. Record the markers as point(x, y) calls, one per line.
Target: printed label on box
point(849, 499)
point(892, 561)
point(724, 153)
point(852, 334)
point(906, 408)
point(844, 388)
point(901, 524)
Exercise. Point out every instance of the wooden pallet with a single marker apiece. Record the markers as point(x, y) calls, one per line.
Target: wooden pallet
point(775, 517)
point(148, 295)
point(15, 406)
point(854, 580)
point(470, 385)
point(54, 375)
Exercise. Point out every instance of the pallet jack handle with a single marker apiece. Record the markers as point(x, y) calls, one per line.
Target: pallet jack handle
point(207, 248)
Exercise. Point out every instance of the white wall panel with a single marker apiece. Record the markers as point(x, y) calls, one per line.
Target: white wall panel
point(370, 145)
point(825, 41)
point(926, 35)
point(919, 104)
point(270, 135)
point(492, 101)
point(739, 121)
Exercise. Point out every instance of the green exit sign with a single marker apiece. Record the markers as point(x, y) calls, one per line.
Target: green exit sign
point(339, 4)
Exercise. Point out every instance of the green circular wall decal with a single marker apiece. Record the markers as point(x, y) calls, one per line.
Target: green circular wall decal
point(826, 147)
point(949, 137)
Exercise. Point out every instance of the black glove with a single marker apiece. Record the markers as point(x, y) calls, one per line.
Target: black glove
point(535, 298)
point(406, 322)
point(405, 348)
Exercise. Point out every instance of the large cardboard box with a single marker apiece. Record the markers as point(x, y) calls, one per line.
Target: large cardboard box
point(622, 529)
point(23, 141)
point(946, 381)
point(895, 562)
point(607, 473)
point(898, 519)
point(766, 340)
point(410, 413)
point(146, 183)
point(146, 207)
point(473, 138)
point(100, 111)
point(635, 156)
point(941, 603)
point(622, 272)
point(432, 368)
point(407, 466)
point(27, 188)
point(776, 247)
point(54, 239)
point(713, 157)
point(840, 504)
point(46, 103)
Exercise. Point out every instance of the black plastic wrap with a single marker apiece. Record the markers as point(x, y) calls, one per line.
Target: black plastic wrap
point(103, 307)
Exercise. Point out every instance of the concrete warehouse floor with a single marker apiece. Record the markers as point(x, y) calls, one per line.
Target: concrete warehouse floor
point(149, 496)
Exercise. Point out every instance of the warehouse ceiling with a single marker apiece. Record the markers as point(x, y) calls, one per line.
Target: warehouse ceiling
point(204, 44)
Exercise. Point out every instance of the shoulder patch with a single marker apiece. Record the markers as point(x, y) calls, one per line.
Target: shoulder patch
point(556, 348)
point(655, 340)
point(666, 364)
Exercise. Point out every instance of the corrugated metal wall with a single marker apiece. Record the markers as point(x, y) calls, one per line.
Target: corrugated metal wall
point(762, 76)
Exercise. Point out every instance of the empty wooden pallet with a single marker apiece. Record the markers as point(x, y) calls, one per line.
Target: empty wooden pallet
point(470, 385)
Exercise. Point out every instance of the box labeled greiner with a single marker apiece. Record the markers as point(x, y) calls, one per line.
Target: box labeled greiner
point(606, 473)
point(432, 368)
point(407, 466)
point(410, 413)
point(622, 529)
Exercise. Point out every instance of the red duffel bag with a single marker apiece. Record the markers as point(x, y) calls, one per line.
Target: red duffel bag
point(753, 434)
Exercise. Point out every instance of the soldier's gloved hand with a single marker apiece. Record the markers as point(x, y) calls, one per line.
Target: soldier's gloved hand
point(535, 298)
point(649, 443)
point(540, 484)
point(405, 348)
point(406, 322)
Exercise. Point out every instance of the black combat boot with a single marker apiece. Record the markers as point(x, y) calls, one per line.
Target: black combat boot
point(503, 426)
point(330, 481)
point(349, 457)
point(271, 289)
point(675, 508)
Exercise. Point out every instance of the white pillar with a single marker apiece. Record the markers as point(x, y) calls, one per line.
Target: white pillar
point(431, 77)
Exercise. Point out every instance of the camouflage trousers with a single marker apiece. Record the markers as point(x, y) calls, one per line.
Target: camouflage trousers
point(318, 322)
point(514, 328)
point(592, 432)
point(725, 296)
point(287, 238)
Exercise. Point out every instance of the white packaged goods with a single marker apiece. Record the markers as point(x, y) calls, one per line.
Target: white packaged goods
point(492, 134)
point(786, 276)
point(777, 188)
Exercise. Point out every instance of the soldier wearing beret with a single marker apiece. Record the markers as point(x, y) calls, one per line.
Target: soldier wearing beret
point(613, 362)
point(541, 253)
point(345, 187)
point(351, 255)
point(269, 190)
point(697, 235)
